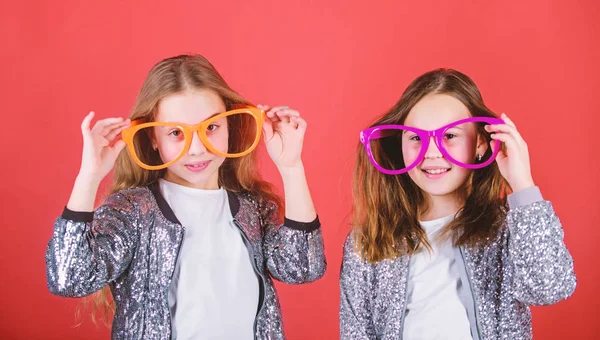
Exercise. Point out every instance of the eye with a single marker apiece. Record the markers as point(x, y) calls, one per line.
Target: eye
point(175, 133)
point(415, 138)
point(450, 135)
point(212, 127)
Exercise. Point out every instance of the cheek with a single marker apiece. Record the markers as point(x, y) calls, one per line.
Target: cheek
point(410, 153)
point(415, 175)
point(169, 150)
point(461, 174)
point(220, 140)
point(463, 152)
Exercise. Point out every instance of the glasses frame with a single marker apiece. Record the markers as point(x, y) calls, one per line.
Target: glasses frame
point(376, 132)
point(188, 132)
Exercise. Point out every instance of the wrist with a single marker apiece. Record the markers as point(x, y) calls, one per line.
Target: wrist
point(88, 180)
point(291, 171)
point(522, 185)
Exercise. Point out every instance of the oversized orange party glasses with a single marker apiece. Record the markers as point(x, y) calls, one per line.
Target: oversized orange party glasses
point(243, 127)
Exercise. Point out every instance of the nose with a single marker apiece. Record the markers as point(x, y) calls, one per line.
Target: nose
point(432, 150)
point(196, 147)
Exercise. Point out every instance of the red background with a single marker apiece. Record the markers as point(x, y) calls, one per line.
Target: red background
point(340, 64)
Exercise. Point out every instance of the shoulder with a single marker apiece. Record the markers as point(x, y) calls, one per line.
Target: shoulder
point(255, 200)
point(129, 198)
point(352, 250)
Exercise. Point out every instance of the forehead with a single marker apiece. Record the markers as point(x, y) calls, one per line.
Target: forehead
point(189, 107)
point(436, 110)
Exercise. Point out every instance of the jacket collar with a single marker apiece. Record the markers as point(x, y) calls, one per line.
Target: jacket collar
point(234, 203)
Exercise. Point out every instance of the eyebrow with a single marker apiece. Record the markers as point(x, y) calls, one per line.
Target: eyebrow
point(459, 127)
point(214, 114)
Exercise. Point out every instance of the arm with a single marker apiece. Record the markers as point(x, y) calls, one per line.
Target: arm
point(87, 251)
point(540, 262)
point(294, 251)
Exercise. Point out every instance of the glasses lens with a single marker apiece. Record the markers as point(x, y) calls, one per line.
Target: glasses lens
point(243, 132)
point(169, 139)
point(395, 149)
point(468, 143)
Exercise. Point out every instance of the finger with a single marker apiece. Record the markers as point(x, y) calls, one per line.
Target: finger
point(507, 139)
point(103, 123)
point(263, 107)
point(508, 120)
point(102, 142)
point(85, 124)
point(501, 153)
point(287, 113)
point(116, 131)
point(109, 128)
point(273, 111)
point(267, 130)
point(280, 107)
point(118, 146)
point(301, 123)
point(272, 116)
point(505, 128)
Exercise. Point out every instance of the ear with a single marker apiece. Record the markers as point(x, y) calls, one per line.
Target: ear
point(482, 145)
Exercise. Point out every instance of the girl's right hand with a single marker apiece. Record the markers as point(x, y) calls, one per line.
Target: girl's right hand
point(101, 146)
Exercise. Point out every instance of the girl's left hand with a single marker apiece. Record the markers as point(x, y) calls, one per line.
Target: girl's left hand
point(513, 162)
point(284, 134)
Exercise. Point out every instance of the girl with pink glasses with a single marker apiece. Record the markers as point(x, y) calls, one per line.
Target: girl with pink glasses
point(451, 237)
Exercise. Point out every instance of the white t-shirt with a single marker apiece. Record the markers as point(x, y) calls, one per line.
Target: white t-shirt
point(214, 291)
point(434, 309)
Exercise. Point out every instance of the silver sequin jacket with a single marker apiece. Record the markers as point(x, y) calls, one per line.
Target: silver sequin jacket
point(527, 264)
point(132, 241)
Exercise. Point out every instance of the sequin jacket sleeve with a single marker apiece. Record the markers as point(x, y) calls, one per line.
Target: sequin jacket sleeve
point(541, 264)
point(294, 251)
point(355, 295)
point(85, 253)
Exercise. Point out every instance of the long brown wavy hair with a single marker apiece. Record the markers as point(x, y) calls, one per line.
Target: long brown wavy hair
point(386, 208)
point(171, 76)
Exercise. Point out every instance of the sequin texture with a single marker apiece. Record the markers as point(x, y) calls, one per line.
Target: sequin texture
point(132, 246)
point(526, 264)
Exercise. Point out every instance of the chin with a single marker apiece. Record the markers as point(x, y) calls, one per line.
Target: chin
point(443, 186)
point(437, 190)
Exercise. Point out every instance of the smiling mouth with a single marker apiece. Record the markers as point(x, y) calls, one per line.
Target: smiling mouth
point(197, 166)
point(435, 171)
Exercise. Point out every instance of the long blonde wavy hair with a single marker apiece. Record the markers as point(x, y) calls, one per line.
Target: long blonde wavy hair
point(171, 76)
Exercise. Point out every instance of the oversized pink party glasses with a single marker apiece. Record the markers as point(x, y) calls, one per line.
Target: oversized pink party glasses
point(396, 149)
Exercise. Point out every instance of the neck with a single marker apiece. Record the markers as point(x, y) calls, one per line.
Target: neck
point(440, 206)
point(212, 184)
